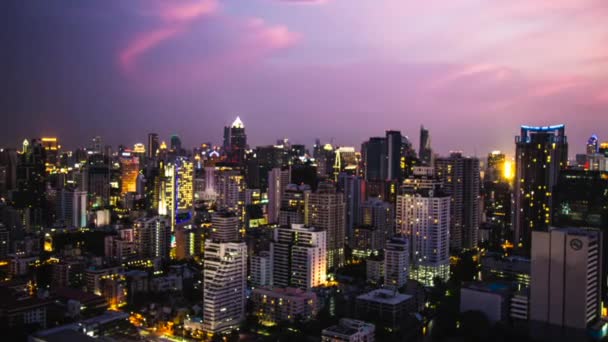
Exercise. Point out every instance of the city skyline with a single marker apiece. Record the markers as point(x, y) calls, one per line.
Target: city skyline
point(190, 67)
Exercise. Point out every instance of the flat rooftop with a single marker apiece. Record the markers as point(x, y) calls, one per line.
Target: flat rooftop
point(385, 296)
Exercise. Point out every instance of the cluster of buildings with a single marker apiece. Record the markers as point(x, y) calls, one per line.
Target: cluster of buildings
point(262, 231)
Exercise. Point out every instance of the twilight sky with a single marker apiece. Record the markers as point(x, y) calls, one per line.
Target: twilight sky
point(471, 71)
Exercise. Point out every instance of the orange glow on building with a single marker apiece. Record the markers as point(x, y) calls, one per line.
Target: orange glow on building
point(129, 173)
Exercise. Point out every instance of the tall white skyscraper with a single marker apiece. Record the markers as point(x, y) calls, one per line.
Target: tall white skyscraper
point(277, 182)
point(299, 257)
point(423, 215)
point(224, 285)
point(565, 277)
point(396, 262)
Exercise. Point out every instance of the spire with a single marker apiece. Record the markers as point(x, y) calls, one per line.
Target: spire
point(238, 123)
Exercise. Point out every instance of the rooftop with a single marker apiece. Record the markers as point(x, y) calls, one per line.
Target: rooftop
point(385, 296)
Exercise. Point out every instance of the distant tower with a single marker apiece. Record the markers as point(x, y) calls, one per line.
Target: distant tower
point(153, 145)
point(235, 141)
point(393, 155)
point(374, 159)
point(592, 145)
point(461, 179)
point(176, 144)
point(277, 182)
point(541, 153)
point(425, 152)
point(396, 262)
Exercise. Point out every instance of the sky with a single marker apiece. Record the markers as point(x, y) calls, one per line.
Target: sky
point(471, 71)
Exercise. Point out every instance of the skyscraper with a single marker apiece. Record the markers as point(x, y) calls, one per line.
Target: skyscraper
point(353, 188)
point(374, 159)
point(393, 155)
point(71, 208)
point(461, 179)
point(129, 169)
point(176, 144)
point(565, 277)
point(293, 205)
point(541, 153)
point(224, 285)
point(225, 227)
point(396, 262)
point(277, 182)
point(235, 141)
point(152, 237)
point(423, 215)
point(299, 257)
point(425, 153)
point(153, 145)
point(326, 210)
point(379, 214)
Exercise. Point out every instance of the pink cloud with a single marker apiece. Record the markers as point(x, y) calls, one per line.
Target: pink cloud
point(176, 17)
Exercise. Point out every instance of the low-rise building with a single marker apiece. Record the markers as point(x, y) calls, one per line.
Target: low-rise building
point(387, 307)
point(273, 305)
point(349, 330)
point(492, 299)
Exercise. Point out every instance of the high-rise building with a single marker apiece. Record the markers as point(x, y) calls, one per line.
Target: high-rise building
point(224, 285)
point(153, 145)
point(425, 153)
point(71, 208)
point(353, 188)
point(461, 179)
point(374, 159)
point(299, 257)
point(176, 144)
point(541, 154)
point(423, 215)
point(378, 214)
point(396, 262)
point(229, 184)
point(326, 210)
point(152, 237)
point(293, 205)
point(235, 141)
point(184, 178)
point(580, 199)
point(346, 161)
point(592, 145)
point(565, 277)
point(393, 153)
point(225, 226)
point(129, 170)
point(260, 266)
point(278, 180)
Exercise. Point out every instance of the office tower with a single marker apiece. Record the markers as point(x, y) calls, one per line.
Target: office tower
point(51, 147)
point(497, 198)
point(299, 257)
point(423, 216)
point(277, 182)
point(229, 184)
point(346, 161)
point(393, 155)
point(97, 145)
point(580, 199)
point(261, 269)
point(184, 177)
point(153, 145)
point(71, 208)
point(152, 237)
point(224, 285)
point(129, 170)
point(592, 145)
point(372, 154)
point(235, 141)
point(97, 179)
point(9, 159)
point(541, 153)
point(565, 284)
point(326, 210)
point(188, 241)
point(378, 214)
point(496, 167)
point(353, 188)
point(293, 205)
point(425, 153)
point(176, 144)
point(325, 161)
point(396, 262)
point(30, 196)
point(461, 180)
point(225, 226)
